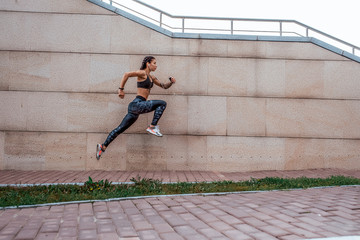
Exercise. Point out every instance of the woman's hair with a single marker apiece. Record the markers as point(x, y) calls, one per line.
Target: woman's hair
point(147, 59)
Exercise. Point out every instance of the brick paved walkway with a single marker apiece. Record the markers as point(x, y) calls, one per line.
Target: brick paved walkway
point(35, 177)
point(295, 214)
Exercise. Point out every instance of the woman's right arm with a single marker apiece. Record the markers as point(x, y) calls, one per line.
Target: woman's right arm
point(126, 76)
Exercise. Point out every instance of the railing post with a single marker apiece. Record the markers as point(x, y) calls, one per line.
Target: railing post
point(307, 32)
point(183, 25)
point(280, 28)
point(110, 2)
point(161, 19)
point(232, 27)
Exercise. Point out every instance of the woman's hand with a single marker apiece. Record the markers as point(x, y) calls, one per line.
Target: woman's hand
point(121, 93)
point(172, 80)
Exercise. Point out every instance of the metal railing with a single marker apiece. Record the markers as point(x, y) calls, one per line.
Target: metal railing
point(228, 26)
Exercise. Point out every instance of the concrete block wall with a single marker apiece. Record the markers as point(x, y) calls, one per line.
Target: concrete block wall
point(236, 106)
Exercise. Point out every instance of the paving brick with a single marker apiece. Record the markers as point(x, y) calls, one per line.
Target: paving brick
point(110, 236)
point(237, 235)
point(306, 226)
point(46, 236)
point(286, 218)
point(155, 219)
point(303, 233)
point(128, 238)
point(279, 223)
point(105, 228)
point(178, 209)
point(148, 212)
point(10, 230)
point(59, 208)
point(160, 207)
point(229, 219)
point(102, 215)
point(48, 228)
point(220, 226)
point(149, 235)
point(67, 232)
point(197, 224)
point(88, 234)
point(142, 225)
point(253, 222)
point(274, 230)
point(126, 231)
point(172, 218)
point(245, 228)
point(263, 235)
point(210, 233)
point(7, 237)
point(188, 205)
point(26, 233)
point(69, 223)
point(290, 237)
point(217, 212)
point(196, 237)
point(171, 236)
point(185, 230)
point(207, 217)
point(162, 228)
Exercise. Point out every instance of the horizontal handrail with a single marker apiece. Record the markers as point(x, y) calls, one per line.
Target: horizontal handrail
point(196, 24)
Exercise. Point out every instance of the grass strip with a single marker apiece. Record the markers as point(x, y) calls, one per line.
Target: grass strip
point(103, 189)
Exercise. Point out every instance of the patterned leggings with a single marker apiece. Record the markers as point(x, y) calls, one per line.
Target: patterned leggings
point(138, 106)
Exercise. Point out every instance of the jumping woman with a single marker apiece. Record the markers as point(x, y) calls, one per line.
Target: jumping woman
point(139, 105)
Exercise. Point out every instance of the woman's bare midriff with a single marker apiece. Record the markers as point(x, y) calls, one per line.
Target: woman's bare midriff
point(143, 92)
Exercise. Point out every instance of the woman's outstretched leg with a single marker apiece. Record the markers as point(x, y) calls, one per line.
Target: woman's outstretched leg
point(128, 120)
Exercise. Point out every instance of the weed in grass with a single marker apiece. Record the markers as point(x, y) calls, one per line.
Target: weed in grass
point(147, 185)
point(101, 185)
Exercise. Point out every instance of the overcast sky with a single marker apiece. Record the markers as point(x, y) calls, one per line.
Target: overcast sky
point(339, 18)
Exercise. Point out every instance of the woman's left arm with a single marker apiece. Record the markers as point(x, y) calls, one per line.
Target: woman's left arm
point(164, 85)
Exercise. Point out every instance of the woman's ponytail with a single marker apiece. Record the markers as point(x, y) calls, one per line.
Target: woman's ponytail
point(146, 60)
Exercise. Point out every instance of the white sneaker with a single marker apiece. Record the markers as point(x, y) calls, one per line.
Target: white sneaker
point(154, 130)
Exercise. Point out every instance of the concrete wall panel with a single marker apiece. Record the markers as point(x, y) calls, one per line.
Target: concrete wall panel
point(230, 154)
point(2, 149)
point(207, 115)
point(66, 6)
point(55, 32)
point(44, 151)
point(312, 118)
point(246, 116)
point(4, 68)
point(321, 153)
point(341, 80)
point(233, 77)
point(29, 111)
point(304, 79)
